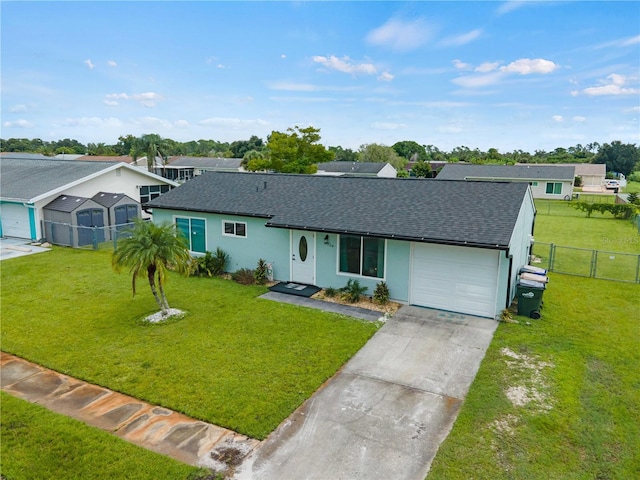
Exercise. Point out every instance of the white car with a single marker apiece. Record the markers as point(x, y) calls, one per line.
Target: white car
point(611, 184)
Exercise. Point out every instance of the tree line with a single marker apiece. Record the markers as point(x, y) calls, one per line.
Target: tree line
point(298, 150)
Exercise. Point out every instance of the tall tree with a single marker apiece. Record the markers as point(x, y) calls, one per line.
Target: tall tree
point(374, 152)
point(295, 152)
point(619, 157)
point(152, 146)
point(149, 251)
point(410, 150)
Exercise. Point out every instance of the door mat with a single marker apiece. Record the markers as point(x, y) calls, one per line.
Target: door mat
point(295, 289)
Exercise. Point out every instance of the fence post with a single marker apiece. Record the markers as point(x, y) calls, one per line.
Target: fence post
point(594, 263)
point(638, 270)
point(552, 253)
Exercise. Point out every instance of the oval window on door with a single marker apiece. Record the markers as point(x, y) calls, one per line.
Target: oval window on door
point(303, 248)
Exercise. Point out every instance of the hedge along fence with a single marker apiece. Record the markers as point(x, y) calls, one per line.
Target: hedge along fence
point(625, 210)
point(584, 262)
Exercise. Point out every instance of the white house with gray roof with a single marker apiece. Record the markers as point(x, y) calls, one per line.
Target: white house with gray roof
point(550, 182)
point(450, 245)
point(359, 169)
point(28, 184)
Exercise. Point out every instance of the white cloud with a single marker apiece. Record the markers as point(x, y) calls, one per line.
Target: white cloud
point(19, 108)
point(387, 126)
point(527, 66)
point(89, 64)
point(345, 65)
point(148, 99)
point(386, 77)
point(283, 56)
point(221, 66)
point(510, 6)
point(460, 65)
point(293, 87)
point(152, 123)
point(475, 81)
point(449, 129)
point(18, 124)
point(579, 118)
point(630, 41)
point(112, 63)
point(111, 103)
point(612, 85)
point(487, 67)
point(233, 123)
point(462, 39)
point(401, 36)
point(558, 118)
point(182, 124)
point(93, 122)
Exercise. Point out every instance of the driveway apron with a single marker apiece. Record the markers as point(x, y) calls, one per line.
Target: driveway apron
point(386, 412)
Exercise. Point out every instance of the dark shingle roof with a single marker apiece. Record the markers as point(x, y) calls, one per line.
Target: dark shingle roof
point(107, 199)
point(66, 203)
point(365, 168)
point(455, 212)
point(454, 171)
point(206, 162)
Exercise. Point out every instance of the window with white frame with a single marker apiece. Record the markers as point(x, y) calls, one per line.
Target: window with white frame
point(554, 188)
point(234, 229)
point(362, 256)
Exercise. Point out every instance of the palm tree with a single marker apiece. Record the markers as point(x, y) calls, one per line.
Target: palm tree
point(151, 145)
point(151, 250)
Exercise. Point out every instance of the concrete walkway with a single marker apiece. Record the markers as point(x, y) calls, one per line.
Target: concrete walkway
point(383, 415)
point(155, 428)
point(386, 412)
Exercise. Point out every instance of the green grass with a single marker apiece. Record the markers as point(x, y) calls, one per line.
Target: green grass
point(37, 443)
point(586, 424)
point(235, 360)
point(632, 187)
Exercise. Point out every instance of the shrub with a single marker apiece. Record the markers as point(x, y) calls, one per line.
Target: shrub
point(633, 198)
point(381, 293)
point(244, 276)
point(260, 273)
point(352, 291)
point(330, 292)
point(209, 264)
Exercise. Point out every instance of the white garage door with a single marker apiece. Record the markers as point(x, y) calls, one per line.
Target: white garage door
point(458, 279)
point(15, 220)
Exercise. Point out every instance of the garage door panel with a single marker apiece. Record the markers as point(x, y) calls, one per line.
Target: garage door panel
point(454, 278)
point(15, 221)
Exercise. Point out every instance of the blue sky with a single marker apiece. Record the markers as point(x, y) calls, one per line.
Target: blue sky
point(508, 75)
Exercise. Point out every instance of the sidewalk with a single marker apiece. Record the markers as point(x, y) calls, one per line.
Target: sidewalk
point(152, 427)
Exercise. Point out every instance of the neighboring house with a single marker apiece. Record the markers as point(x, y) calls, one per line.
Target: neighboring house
point(182, 169)
point(106, 158)
point(450, 245)
point(546, 181)
point(592, 175)
point(357, 169)
point(28, 184)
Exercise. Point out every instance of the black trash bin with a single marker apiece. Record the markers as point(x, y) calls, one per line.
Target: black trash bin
point(529, 296)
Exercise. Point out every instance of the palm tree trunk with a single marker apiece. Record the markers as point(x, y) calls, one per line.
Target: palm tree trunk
point(163, 296)
point(151, 273)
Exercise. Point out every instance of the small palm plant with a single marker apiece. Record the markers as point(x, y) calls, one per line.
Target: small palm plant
point(150, 251)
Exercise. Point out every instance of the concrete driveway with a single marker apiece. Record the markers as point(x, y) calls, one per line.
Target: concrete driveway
point(386, 412)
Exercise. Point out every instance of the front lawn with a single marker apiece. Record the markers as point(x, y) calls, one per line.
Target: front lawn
point(558, 397)
point(38, 443)
point(235, 360)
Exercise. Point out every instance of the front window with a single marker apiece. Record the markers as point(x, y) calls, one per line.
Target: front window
point(234, 229)
point(554, 188)
point(362, 256)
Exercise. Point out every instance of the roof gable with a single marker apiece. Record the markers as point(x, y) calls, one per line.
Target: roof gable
point(28, 180)
point(66, 203)
point(458, 212)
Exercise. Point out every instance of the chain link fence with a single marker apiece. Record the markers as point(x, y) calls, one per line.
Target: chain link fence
point(89, 238)
point(583, 262)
